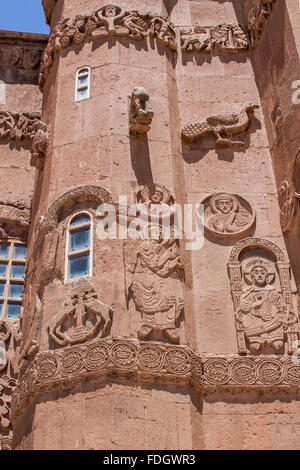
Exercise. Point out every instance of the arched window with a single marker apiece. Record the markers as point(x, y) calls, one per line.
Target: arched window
point(79, 245)
point(83, 80)
point(12, 275)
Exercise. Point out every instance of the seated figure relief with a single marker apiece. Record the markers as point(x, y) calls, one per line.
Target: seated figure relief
point(228, 215)
point(263, 314)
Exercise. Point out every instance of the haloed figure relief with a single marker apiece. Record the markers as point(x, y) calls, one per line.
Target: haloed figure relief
point(263, 313)
point(154, 269)
point(228, 214)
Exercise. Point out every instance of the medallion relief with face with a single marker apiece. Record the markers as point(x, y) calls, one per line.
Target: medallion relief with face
point(228, 215)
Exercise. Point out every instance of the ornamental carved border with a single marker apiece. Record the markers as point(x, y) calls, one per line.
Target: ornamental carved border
point(288, 197)
point(155, 363)
point(18, 127)
point(108, 21)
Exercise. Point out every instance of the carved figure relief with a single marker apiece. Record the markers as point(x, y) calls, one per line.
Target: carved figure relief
point(261, 289)
point(222, 127)
point(225, 38)
point(84, 317)
point(257, 18)
point(154, 272)
point(21, 57)
point(8, 375)
point(108, 21)
point(228, 215)
point(26, 126)
point(140, 113)
point(288, 196)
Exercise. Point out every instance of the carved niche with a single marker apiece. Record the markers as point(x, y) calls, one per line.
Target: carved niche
point(108, 21)
point(223, 127)
point(84, 317)
point(140, 113)
point(257, 18)
point(225, 38)
point(227, 215)
point(265, 318)
point(26, 126)
point(288, 196)
point(154, 271)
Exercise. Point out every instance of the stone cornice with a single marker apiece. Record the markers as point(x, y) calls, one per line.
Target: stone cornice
point(21, 50)
point(154, 363)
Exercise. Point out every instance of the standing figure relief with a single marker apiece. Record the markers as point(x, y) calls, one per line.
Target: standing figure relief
point(154, 272)
point(223, 127)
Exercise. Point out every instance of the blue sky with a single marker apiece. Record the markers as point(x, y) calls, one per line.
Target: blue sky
point(23, 15)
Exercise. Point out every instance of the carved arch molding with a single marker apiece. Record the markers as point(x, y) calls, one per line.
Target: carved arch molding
point(114, 21)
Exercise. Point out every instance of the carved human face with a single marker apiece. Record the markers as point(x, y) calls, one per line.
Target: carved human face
point(110, 12)
point(259, 276)
point(156, 196)
point(225, 205)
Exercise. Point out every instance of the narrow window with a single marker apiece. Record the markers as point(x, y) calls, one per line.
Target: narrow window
point(82, 84)
point(79, 247)
point(12, 275)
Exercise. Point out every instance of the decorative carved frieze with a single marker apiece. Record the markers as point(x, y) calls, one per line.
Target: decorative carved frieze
point(224, 38)
point(140, 112)
point(26, 126)
point(108, 21)
point(262, 295)
point(84, 317)
point(223, 127)
point(227, 215)
point(14, 221)
point(8, 375)
point(154, 272)
point(257, 18)
point(151, 362)
point(288, 197)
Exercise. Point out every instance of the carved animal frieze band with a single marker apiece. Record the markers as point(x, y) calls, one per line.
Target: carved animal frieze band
point(288, 197)
point(26, 127)
point(140, 113)
point(108, 21)
point(83, 318)
point(227, 215)
point(261, 288)
point(225, 38)
point(166, 364)
point(223, 127)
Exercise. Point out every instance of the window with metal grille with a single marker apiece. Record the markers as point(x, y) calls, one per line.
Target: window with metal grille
point(83, 80)
point(79, 247)
point(12, 276)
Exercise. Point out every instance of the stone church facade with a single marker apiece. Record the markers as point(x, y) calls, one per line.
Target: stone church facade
point(112, 341)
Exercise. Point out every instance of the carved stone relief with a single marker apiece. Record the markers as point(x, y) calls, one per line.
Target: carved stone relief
point(26, 126)
point(288, 196)
point(225, 38)
point(140, 113)
point(264, 313)
point(8, 376)
point(14, 221)
point(154, 272)
point(227, 215)
point(18, 56)
point(84, 317)
point(222, 127)
point(108, 21)
point(257, 19)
